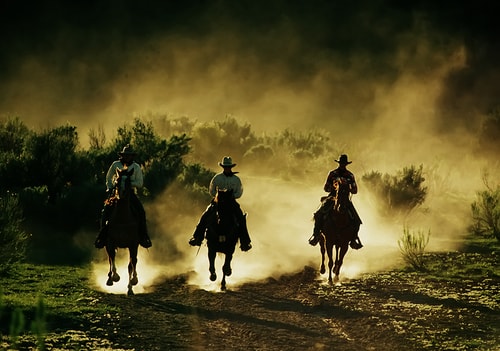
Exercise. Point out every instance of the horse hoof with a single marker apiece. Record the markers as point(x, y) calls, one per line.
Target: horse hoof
point(322, 270)
point(223, 287)
point(213, 277)
point(109, 282)
point(116, 278)
point(227, 271)
point(134, 281)
point(130, 292)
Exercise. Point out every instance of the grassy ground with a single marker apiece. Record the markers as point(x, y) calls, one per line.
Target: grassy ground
point(55, 307)
point(42, 300)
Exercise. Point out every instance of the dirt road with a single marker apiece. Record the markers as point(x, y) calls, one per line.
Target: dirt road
point(383, 311)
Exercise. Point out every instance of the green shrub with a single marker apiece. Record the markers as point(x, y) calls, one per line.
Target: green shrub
point(402, 192)
point(486, 213)
point(194, 181)
point(13, 240)
point(259, 153)
point(412, 246)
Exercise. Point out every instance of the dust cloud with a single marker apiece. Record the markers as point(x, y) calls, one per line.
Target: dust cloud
point(280, 212)
point(395, 87)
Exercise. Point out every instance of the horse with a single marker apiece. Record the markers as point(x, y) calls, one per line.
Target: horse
point(339, 228)
point(222, 233)
point(123, 229)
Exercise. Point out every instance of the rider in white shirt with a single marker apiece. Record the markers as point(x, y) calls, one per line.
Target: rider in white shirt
point(228, 180)
point(126, 159)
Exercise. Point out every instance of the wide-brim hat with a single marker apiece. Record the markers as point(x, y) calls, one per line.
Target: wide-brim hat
point(227, 161)
point(343, 160)
point(127, 150)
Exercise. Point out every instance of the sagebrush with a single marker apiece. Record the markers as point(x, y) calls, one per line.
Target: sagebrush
point(412, 246)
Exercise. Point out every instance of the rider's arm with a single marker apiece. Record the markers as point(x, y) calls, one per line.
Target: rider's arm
point(110, 175)
point(328, 187)
point(212, 188)
point(237, 187)
point(137, 179)
point(353, 186)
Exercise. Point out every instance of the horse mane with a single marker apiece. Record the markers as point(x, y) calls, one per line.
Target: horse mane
point(341, 197)
point(115, 196)
point(224, 193)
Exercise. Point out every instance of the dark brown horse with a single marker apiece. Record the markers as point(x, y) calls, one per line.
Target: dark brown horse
point(338, 230)
point(123, 230)
point(222, 234)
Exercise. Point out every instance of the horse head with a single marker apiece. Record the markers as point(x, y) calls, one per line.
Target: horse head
point(224, 214)
point(342, 192)
point(123, 182)
point(224, 196)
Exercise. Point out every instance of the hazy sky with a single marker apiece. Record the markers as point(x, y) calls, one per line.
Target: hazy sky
point(404, 82)
point(296, 63)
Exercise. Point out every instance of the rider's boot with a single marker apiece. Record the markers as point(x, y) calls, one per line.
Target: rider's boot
point(244, 236)
point(144, 239)
point(356, 244)
point(198, 235)
point(314, 239)
point(102, 236)
point(100, 241)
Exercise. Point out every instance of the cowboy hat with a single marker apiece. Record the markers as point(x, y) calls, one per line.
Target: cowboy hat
point(343, 160)
point(227, 161)
point(127, 150)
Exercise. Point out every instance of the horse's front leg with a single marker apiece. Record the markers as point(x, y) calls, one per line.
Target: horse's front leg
point(226, 270)
point(112, 274)
point(339, 260)
point(322, 242)
point(132, 272)
point(329, 251)
point(211, 263)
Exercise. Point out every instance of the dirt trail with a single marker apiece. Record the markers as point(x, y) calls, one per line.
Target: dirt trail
point(384, 311)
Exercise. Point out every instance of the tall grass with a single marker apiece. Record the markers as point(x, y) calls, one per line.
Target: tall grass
point(412, 246)
point(17, 324)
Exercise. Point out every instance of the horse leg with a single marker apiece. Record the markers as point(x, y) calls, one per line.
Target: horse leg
point(223, 282)
point(329, 251)
point(226, 270)
point(339, 260)
point(132, 272)
point(211, 260)
point(322, 268)
point(112, 275)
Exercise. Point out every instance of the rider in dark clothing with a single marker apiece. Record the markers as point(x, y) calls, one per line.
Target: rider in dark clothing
point(342, 173)
point(126, 159)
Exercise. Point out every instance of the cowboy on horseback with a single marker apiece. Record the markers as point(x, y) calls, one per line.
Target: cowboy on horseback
point(339, 174)
point(126, 160)
point(227, 179)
